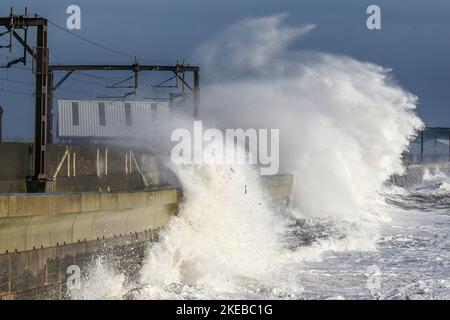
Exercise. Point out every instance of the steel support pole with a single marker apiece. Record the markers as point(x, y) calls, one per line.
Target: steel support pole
point(41, 115)
point(50, 108)
point(196, 94)
point(421, 147)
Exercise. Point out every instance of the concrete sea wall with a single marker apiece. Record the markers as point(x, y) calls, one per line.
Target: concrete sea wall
point(81, 168)
point(415, 173)
point(43, 273)
point(42, 234)
point(30, 221)
point(14, 166)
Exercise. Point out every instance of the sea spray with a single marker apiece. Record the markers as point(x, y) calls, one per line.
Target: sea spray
point(343, 123)
point(343, 127)
point(226, 233)
point(100, 282)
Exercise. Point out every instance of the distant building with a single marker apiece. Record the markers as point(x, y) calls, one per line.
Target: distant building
point(82, 121)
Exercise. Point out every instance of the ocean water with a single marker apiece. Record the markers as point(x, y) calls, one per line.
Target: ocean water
point(405, 256)
point(412, 254)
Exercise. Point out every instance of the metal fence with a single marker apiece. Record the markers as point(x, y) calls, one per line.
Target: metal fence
point(431, 145)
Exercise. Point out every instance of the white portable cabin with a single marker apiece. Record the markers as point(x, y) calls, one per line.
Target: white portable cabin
point(108, 119)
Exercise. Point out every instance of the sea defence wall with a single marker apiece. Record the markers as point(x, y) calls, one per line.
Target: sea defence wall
point(14, 166)
point(415, 173)
point(81, 168)
point(41, 235)
point(75, 168)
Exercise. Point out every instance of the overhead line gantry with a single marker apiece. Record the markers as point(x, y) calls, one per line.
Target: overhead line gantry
point(16, 24)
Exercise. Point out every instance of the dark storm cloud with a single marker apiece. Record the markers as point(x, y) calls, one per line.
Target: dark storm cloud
point(413, 40)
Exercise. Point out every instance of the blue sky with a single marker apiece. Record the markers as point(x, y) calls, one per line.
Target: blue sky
point(414, 41)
